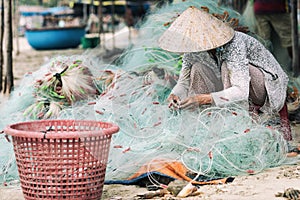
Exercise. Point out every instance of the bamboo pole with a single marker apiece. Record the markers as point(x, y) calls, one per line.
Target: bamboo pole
point(295, 39)
point(92, 10)
point(129, 21)
point(100, 16)
point(16, 25)
point(113, 23)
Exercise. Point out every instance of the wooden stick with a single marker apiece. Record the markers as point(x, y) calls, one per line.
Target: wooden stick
point(295, 39)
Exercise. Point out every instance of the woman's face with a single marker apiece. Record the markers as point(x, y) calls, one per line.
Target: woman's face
point(213, 51)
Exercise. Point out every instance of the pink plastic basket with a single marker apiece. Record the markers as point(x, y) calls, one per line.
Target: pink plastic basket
point(62, 159)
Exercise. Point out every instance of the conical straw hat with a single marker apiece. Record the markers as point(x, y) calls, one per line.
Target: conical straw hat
point(195, 30)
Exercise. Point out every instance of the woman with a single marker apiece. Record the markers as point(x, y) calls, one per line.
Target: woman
point(222, 66)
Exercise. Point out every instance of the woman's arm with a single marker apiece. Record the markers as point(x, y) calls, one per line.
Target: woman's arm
point(236, 68)
point(181, 88)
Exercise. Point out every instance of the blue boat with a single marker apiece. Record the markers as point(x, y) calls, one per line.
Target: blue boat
point(52, 32)
point(55, 38)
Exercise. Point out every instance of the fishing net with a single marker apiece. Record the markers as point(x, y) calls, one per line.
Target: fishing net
point(131, 92)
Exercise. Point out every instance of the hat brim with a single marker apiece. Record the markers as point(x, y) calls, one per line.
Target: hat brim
point(194, 31)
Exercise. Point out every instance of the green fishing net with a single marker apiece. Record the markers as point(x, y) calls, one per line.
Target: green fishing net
point(131, 92)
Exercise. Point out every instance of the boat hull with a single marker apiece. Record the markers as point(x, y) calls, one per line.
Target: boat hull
point(55, 38)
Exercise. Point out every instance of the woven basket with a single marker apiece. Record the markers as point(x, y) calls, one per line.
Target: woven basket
point(62, 159)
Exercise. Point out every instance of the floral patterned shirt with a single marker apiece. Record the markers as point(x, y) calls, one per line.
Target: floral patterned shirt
point(241, 51)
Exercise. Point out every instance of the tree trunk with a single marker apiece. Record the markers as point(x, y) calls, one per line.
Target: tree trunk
point(1, 45)
point(9, 82)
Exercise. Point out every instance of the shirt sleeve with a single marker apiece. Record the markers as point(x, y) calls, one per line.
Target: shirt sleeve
point(183, 83)
point(237, 64)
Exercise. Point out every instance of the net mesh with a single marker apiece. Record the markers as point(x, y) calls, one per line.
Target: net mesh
point(131, 92)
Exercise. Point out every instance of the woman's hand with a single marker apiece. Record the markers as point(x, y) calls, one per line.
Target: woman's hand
point(173, 101)
point(195, 101)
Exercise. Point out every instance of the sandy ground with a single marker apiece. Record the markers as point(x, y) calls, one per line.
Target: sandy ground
point(262, 186)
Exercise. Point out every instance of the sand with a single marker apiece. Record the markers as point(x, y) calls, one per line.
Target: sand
point(262, 186)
